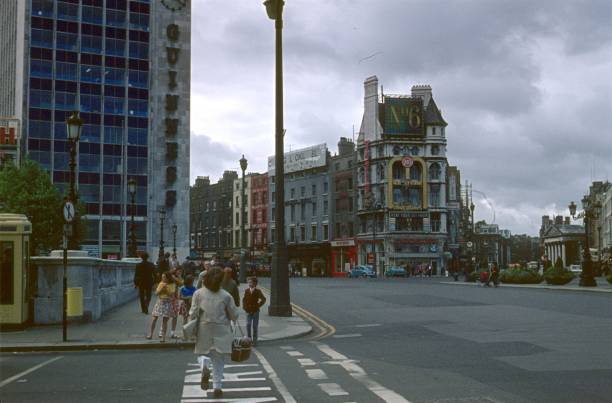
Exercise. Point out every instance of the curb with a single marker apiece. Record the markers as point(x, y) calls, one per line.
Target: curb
point(536, 287)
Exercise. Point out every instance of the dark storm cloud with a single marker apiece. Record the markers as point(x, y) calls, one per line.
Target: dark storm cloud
point(524, 85)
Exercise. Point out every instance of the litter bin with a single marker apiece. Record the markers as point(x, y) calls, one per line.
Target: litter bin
point(75, 301)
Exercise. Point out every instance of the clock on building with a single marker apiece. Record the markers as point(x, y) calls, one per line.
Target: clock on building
point(174, 5)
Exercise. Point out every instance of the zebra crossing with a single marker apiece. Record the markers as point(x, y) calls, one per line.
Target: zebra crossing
point(241, 383)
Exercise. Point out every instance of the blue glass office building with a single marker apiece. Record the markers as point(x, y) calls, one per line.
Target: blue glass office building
point(92, 56)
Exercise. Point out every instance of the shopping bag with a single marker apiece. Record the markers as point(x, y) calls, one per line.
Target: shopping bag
point(190, 329)
point(241, 345)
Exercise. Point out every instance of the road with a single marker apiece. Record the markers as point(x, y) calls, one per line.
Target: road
point(395, 340)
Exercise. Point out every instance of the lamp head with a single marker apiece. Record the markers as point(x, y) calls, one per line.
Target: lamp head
point(472, 207)
point(73, 125)
point(585, 202)
point(572, 209)
point(132, 186)
point(243, 163)
point(162, 213)
point(174, 228)
point(274, 8)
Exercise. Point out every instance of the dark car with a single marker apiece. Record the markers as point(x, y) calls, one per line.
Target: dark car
point(396, 271)
point(361, 271)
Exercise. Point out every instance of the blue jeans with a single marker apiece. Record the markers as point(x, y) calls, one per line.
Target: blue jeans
point(252, 322)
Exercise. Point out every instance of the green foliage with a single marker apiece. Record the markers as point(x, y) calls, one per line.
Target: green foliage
point(29, 191)
point(609, 278)
point(520, 276)
point(472, 277)
point(558, 275)
point(559, 263)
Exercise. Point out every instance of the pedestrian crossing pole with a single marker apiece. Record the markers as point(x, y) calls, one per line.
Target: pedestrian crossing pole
point(69, 214)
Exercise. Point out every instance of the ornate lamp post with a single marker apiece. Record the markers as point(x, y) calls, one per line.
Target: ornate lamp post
point(243, 245)
point(590, 213)
point(279, 284)
point(74, 125)
point(174, 228)
point(132, 190)
point(162, 217)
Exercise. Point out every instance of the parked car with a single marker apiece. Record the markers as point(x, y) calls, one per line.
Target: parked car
point(361, 271)
point(396, 271)
point(576, 268)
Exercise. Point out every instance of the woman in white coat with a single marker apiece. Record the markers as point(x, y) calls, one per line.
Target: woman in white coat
point(216, 309)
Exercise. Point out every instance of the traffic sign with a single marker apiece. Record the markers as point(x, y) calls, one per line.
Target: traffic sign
point(469, 244)
point(407, 162)
point(68, 211)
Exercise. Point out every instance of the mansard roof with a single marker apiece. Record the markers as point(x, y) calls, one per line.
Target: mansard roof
point(433, 115)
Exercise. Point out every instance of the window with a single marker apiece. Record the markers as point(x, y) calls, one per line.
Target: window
point(434, 171)
point(303, 191)
point(91, 74)
point(7, 254)
point(350, 183)
point(325, 232)
point(91, 103)
point(66, 41)
point(114, 76)
point(350, 204)
point(237, 218)
point(42, 38)
point(435, 149)
point(115, 47)
point(137, 78)
point(292, 212)
point(272, 235)
point(313, 232)
point(415, 172)
point(41, 68)
point(314, 208)
point(292, 234)
point(273, 217)
point(139, 50)
point(302, 232)
point(115, 18)
point(303, 211)
point(325, 207)
point(65, 71)
point(40, 129)
point(91, 44)
point(139, 21)
point(433, 130)
point(399, 172)
point(92, 14)
point(414, 150)
point(42, 8)
point(138, 107)
point(114, 105)
point(292, 193)
point(434, 195)
point(314, 189)
point(434, 222)
point(325, 187)
point(337, 166)
point(40, 98)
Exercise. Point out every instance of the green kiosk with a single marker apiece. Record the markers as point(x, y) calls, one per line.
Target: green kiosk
point(15, 230)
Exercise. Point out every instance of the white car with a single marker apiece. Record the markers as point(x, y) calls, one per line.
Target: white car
point(575, 268)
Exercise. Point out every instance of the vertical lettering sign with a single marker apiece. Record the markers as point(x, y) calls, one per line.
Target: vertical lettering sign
point(403, 116)
point(171, 100)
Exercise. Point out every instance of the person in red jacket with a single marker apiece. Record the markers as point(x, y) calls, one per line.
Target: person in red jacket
point(252, 301)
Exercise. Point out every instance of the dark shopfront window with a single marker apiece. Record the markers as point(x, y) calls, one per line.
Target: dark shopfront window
point(7, 250)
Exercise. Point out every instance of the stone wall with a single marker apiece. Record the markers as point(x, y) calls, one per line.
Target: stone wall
point(106, 284)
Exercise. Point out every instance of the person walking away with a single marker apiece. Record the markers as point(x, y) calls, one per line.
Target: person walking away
point(252, 302)
point(163, 307)
point(186, 295)
point(493, 276)
point(144, 277)
point(215, 309)
point(230, 284)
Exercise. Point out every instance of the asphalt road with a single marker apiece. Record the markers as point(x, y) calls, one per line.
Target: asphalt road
point(396, 340)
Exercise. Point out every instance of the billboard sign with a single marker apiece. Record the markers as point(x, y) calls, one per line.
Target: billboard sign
point(300, 160)
point(403, 116)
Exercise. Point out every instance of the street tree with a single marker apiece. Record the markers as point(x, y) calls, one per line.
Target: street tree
point(28, 190)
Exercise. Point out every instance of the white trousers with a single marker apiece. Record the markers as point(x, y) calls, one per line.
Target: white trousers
point(215, 361)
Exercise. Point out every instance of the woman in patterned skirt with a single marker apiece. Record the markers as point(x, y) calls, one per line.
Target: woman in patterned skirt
point(166, 290)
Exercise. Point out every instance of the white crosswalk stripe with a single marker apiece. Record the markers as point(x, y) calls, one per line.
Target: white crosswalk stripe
point(241, 383)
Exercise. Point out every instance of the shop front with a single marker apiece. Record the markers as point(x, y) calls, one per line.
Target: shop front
point(310, 260)
point(343, 257)
point(418, 256)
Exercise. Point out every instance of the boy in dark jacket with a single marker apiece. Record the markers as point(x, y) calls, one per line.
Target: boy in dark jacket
point(252, 301)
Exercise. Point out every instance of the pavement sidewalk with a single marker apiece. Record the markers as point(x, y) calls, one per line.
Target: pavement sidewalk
point(602, 285)
point(124, 327)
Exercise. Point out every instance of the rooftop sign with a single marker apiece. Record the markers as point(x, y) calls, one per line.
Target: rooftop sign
point(303, 159)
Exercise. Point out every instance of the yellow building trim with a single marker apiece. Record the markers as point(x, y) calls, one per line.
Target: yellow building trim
point(407, 182)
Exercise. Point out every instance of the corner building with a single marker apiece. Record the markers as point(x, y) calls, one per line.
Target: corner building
point(401, 179)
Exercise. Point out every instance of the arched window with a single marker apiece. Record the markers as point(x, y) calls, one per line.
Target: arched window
point(434, 171)
point(399, 172)
point(415, 172)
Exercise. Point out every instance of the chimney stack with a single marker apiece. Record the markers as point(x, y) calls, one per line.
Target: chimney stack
point(423, 92)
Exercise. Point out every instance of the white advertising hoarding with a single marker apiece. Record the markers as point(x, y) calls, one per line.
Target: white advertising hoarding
point(300, 160)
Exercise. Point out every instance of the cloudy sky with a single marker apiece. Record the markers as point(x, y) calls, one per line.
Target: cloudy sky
point(525, 86)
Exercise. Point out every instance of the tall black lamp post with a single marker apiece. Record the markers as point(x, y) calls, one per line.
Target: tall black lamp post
point(279, 294)
point(174, 228)
point(243, 245)
point(74, 125)
point(162, 217)
point(132, 190)
point(587, 279)
point(377, 207)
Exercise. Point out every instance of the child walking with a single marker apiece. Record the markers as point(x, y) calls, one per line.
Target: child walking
point(252, 301)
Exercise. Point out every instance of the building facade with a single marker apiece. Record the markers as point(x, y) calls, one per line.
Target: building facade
point(307, 209)
point(343, 180)
point(10, 134)
point(211, 224)
point(561, 239)
point(241, 212)
point(104, 59)
point(401, 178)
point(259, 219)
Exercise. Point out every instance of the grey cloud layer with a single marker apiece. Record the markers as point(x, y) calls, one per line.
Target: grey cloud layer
point(524, 85)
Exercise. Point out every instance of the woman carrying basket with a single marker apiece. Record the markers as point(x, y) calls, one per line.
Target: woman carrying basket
point(215, 308)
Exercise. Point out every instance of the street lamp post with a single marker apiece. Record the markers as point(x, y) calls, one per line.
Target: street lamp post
point(279, 283)
point(74, 125)
point(174, 228)
point(377, 207)
point(162, 216)
point(587, 279)
point(243, 167)
point(132, 190)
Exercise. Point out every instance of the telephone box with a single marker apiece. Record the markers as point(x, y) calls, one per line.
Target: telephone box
point(15, 230)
